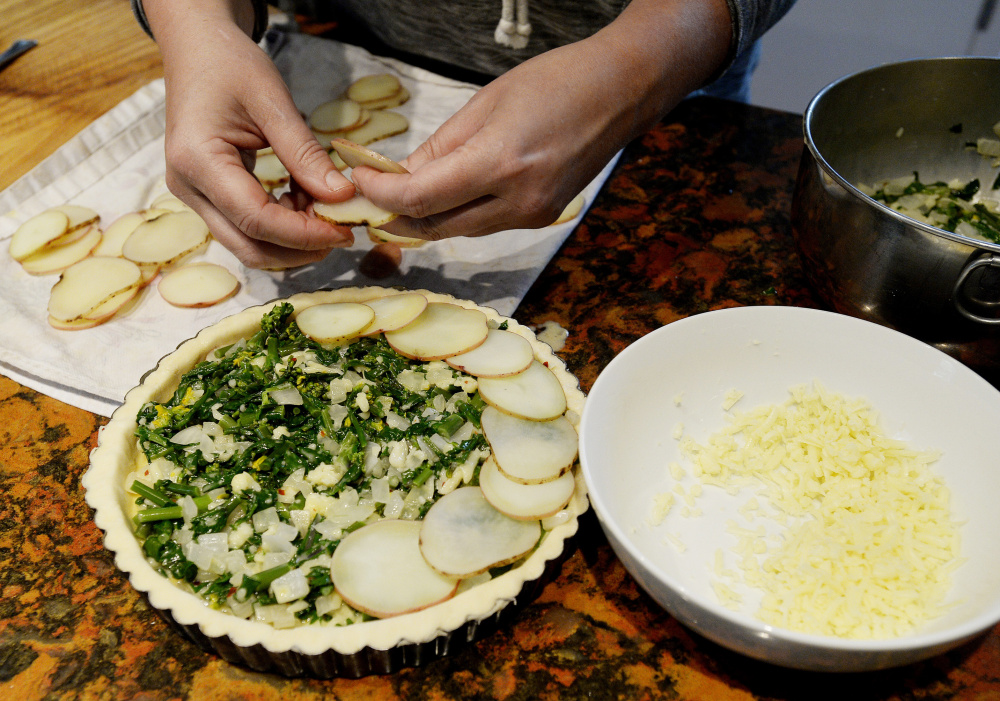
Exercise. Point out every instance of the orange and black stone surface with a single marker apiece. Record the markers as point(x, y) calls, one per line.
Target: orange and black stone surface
point(694, 218)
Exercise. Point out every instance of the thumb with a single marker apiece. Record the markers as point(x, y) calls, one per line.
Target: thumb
point(309, 164)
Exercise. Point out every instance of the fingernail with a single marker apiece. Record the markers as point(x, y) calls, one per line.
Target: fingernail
point(335, 181)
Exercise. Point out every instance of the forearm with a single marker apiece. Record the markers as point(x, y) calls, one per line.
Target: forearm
point(164, 18)
point(661, 50)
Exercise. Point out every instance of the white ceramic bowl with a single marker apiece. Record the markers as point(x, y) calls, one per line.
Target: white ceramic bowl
point(923, 397)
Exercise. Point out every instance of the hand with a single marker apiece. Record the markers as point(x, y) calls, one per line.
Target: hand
point(226, 100)
point(528, 142)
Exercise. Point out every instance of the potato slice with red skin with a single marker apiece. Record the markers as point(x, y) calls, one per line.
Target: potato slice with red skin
point(534, 394)
point(524, 501)
point(379, 570)
point(377, 236)
point(394, 312)
point(36, 232)
point(197, 285)
point(463, 535)
point(530, 452)
point(571, 211)
point(395, 100)
point(166, 239)
point(355, 155)
point(116, 234)
point(51, 260)
point(170, 202)
point(382, 125)
point(357, 211)
point(375, 87)
point(502, 354)
point(334, 322)
point(76, 324)
point(338, 115)
point(89, 283)
point(113, 305)
point(442, 330)
point(270, 172)
point(79, 216)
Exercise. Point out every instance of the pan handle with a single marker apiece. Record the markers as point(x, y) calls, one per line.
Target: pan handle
point(992, 261)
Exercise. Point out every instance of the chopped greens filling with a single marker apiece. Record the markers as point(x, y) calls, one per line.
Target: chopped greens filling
point(956, 207)
point(274, 448)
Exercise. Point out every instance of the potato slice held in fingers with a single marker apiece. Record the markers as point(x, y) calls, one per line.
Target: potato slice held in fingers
point(534, 394)
point(166, 239)
point(355, 155)
point(377, 236)
point(88, 283)
point(198, 285)
point(441, 330)
point(571, 211)
point(463, 534)
point(381, 125)
point(37, 232)
point(394, 312)
point(502, 354)
point(51, 260)
point(334, 322)
point(270, 172)
point(357, 211)
point(530, 452)
point(524, 501)
point(379, 570)
point(338, 115)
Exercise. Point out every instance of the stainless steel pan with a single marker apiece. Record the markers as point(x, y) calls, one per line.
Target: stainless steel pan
point(872, 262)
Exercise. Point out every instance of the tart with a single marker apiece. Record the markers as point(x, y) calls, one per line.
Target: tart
point(384, 639)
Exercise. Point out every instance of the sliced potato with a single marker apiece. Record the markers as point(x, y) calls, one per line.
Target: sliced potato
point(381, 125)
point(534, 394)
point(441, 330)
point(166, 239)
point(36, 232)
point(357, 211)
point(49, 261)
point(355, 155)
point(394, 312)
point(338, 162)
point(120, 229)
point(198, 285)
point(571, 211)
point(112, 305)
point(76, 324)
point(524, 501)
point(530, 452)
point(334, 322)
point(168, 201)
point(463, 535)
point(379, 570)
point(79, 216)
point(374, 87)
point(270, 172)
point(376, 235)
point(338, 115)
point(88, 283)
point(394, 100)
point(502, 354)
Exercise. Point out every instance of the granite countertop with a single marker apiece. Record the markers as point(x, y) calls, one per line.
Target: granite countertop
point(695, 217)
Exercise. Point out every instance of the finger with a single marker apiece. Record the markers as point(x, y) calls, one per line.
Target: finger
point(298, 150)
point(438, 186)
point(487, 215)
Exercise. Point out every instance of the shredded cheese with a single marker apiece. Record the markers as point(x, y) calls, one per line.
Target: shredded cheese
point(870, 542)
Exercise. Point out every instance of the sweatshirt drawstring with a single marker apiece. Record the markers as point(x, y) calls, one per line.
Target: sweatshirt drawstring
point(513, 30)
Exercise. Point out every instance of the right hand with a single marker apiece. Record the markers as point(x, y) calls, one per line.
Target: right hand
point(226, 100)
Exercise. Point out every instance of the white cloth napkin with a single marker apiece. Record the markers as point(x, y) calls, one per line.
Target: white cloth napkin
point(116, 166)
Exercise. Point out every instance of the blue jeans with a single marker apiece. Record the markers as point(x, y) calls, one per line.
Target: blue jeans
point(734, 84)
